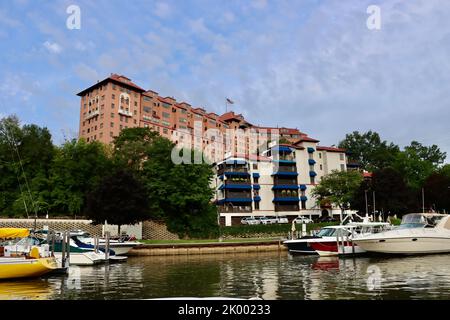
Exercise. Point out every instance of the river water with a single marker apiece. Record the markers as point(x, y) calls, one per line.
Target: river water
point(264, 275)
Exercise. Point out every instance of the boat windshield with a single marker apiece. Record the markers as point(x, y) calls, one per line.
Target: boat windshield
point(326, 232)
point(419, 221)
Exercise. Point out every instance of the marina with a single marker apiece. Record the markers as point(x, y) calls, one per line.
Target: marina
point(268, 276)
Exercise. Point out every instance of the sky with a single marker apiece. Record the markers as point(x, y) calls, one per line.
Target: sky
point(312, 65)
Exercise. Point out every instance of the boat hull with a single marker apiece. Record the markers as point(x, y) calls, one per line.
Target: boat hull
point(83, 258)
point(13, 268)
point(406, 245)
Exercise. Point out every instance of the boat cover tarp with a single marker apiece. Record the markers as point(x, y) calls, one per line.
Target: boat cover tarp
point(12, 233)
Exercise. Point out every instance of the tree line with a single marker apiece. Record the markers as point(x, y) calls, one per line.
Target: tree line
point(400, 181)
point(102, 182)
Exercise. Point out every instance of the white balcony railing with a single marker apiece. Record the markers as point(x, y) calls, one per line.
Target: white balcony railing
point(92, 114)
point(125, 113)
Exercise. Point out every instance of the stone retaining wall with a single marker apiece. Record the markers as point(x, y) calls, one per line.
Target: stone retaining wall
point(151, 230)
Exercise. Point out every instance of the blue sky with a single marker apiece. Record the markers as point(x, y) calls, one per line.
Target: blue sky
point(308, 64)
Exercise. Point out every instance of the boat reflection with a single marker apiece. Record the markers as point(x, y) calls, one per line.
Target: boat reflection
point(26, 290)
point(326, 263)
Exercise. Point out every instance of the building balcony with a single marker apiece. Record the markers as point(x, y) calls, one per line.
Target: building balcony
point(285, 187)
point(234, 200)
point(234, 209)
point(232, 170)
point(285, 173)
point(280, 207)
point(233, 186)
point(92, 114)
point(281, 180)
point(286, 199)
point(125, 113)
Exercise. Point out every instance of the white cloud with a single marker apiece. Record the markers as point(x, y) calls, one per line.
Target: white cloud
point(86, 73)
point(162, 9)
point(53, 47)
point(259, 4)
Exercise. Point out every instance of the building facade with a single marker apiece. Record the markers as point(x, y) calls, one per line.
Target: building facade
point(267, 178)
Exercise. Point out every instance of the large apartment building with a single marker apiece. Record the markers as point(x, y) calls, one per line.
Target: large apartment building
point(256, 174)
point(116, 103)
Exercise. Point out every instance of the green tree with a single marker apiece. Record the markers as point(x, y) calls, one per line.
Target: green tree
point(119, 198)
point(393, 196)
point(338, 188)
point(76, 169)
point(26, 155)
point(437, 191)
point(430, 154)
point(369, 150)
point(179, 194)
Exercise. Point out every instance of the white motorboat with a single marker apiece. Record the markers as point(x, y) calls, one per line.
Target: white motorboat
point(118, 246)
point(342, 242)
point(419, 233)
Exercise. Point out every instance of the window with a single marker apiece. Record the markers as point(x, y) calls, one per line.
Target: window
point(113, 96)
point(166, 105)
point(88, 130)
point(112, 124)
point(166, 115)
point(101, 135)
point(312, 180)
point(183, 111)
point(110, 134)
point(147, 98)
point(321, 167)
point(135, 112)
point(165, 130)
point(103, 97)
point(114, 88)
point(112, 106)
point(135, 121)
point(112, 115)
point(341, 156)
point(257, 205)
point(342, 167)
point(147, 109)
point(183, 120)
point(101, 125)
point(320, 155)
point(255, 166)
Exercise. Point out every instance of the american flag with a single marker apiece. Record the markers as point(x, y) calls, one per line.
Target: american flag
point(229, 101)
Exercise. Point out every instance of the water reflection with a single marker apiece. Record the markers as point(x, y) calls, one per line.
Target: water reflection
point(264, 275)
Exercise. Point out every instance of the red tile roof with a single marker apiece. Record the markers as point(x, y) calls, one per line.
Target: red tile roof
point(231, 116)
point(307, 139)
point(122, 80)
point(330, 149)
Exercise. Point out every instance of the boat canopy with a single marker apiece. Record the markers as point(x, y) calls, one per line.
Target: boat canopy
point(12, 233)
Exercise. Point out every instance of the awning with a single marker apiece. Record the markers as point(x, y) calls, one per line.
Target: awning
point(303, 198)
point(236, 173)
point(303, 187)
point(12, 233)
point(256, 187)
point(236, 186)
point(257, 198)
point(256, 175)
point(311, 162)
point(311, 150)
point(285, 173)
point(282, 148)
point(246, 200)
point(286, 199)
point(312, 174)
point(285, 186)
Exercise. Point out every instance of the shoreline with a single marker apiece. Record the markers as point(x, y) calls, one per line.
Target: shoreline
point(207, 248)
